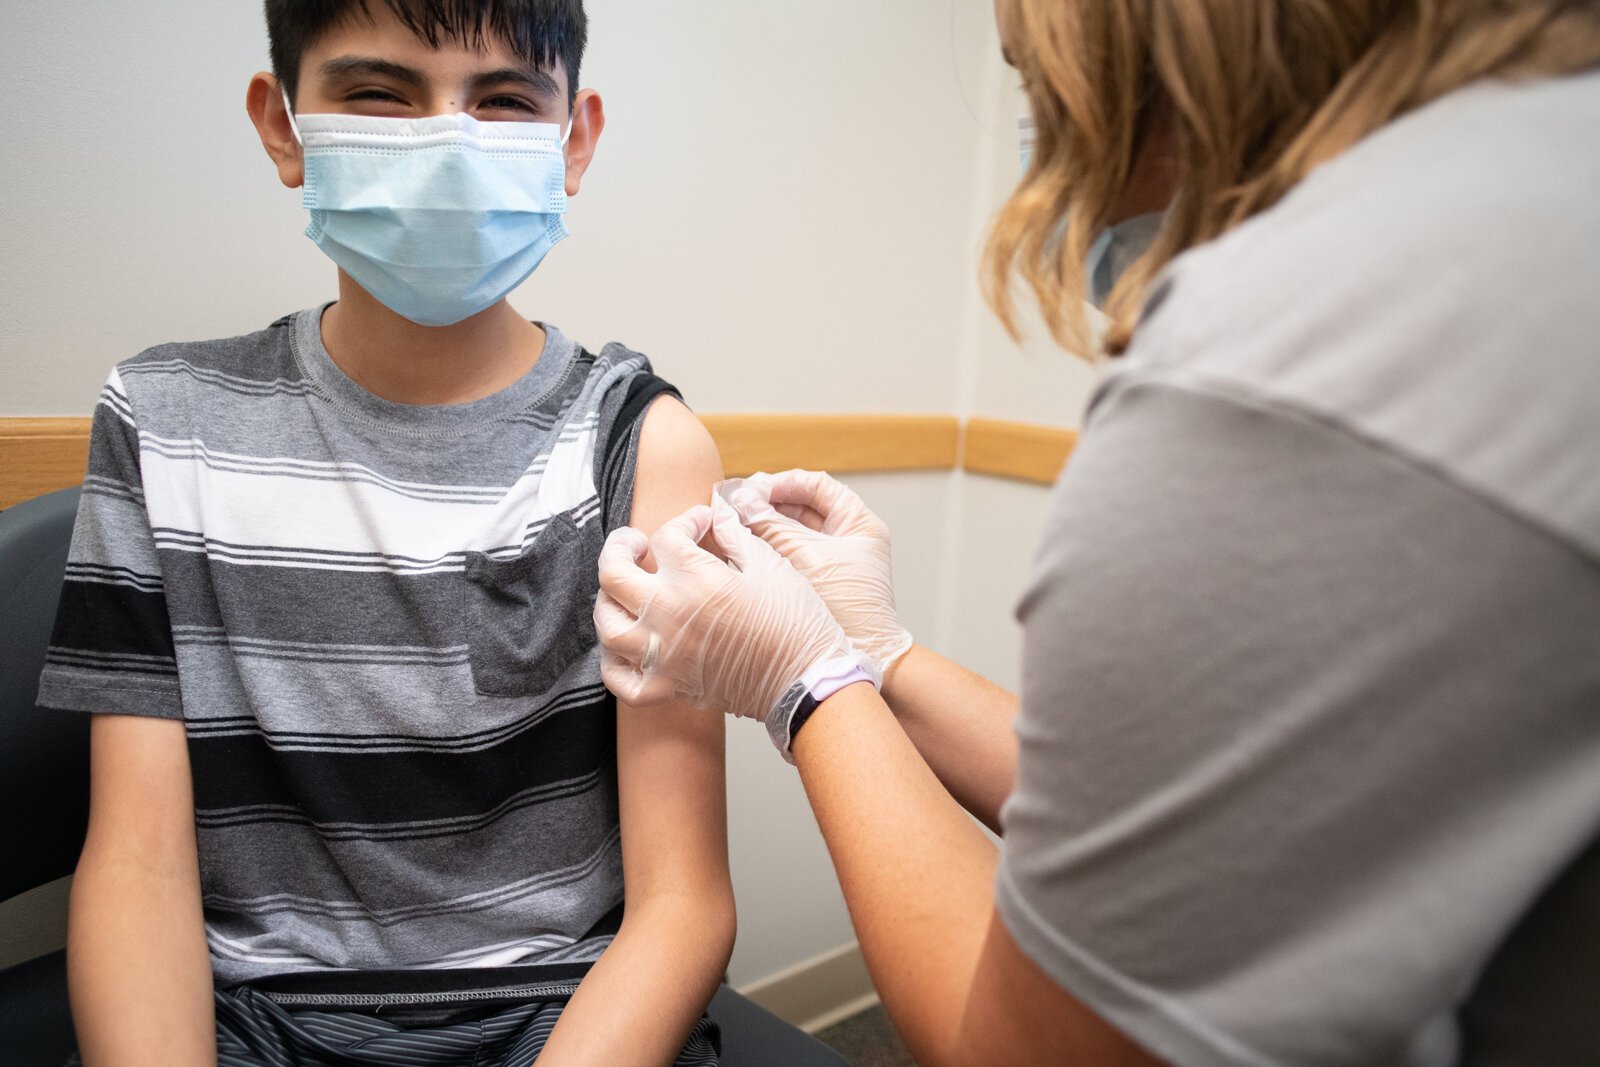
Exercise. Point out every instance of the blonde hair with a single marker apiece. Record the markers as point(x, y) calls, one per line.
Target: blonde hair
point(1246, 97)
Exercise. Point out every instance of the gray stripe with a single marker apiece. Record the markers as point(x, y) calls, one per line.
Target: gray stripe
point(447, 892)
point(251, 648)
point(94, 483)
point(219, 380)
point(115, 523)
point(405, 707)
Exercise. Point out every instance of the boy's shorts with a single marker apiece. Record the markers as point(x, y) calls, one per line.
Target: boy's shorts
point(253, 1031)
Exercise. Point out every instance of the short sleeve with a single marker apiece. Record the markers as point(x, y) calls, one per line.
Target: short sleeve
point(1305, 730)
point(616, 459)
point(112, 648)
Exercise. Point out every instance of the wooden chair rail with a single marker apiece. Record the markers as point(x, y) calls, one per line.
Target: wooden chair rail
point(41, 455)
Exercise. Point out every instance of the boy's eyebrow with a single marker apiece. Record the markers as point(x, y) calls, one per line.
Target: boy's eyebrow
point(346, 66)
point(532, 79)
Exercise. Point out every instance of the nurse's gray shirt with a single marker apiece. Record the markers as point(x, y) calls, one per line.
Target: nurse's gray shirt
point(1310, 765)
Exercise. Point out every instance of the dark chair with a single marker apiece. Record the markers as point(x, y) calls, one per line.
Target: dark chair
point(44, 774)
point(44, 770)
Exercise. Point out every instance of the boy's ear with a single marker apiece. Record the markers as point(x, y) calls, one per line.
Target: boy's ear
point(264, 101)
point(588, 119)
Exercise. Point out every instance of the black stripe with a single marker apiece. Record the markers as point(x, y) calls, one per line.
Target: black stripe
point(388, 787)
point(643, 389)
point(96, 617)
point(399, 983)
point(402, 833)
point(570, 699)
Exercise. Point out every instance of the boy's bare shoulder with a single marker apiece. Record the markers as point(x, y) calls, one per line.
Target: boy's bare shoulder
point(678, 463)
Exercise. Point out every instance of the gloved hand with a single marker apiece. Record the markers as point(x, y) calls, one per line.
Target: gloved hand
point(734, 635)
point(829, 535)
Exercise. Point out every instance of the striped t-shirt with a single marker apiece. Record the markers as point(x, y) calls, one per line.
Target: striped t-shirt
point(374, 621)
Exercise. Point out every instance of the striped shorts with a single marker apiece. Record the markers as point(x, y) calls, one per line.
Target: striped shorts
point(253, 1030)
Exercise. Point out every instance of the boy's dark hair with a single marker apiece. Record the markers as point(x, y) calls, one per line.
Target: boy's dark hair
point(538, 31)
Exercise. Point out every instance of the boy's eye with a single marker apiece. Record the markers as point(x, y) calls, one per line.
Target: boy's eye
point(509, 103)
point(377, 95)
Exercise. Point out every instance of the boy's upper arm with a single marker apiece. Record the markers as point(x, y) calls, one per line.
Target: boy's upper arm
point(677, 465)
point(670, 759)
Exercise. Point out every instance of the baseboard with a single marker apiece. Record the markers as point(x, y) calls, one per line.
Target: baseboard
point(34, 923)
point(818, 992)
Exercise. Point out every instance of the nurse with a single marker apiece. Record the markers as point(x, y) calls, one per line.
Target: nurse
point(1306, 764)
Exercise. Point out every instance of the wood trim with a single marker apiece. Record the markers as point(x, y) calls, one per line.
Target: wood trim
point(838, 443)
point(40, 456)
point(1020, 450)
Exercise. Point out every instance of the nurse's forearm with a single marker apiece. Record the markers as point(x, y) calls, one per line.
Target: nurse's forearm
point(961, 724)
point(917, 874)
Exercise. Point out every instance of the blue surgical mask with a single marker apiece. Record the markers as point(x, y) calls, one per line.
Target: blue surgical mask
point(438, 218)
point(1111, 256)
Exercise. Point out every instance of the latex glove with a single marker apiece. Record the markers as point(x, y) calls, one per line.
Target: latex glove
point(829, 535)
point(736, 635)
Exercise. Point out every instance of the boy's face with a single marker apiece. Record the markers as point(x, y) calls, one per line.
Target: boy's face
point(379, 67)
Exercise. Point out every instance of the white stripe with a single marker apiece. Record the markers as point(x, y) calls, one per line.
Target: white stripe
point(355, 563)
point(355, 517)
point(239, 950)
point(107, 402)
point(131, 583)
point(500, 955)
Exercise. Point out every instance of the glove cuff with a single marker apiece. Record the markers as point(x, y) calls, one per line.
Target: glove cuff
point(817, 684)
point(901, 646)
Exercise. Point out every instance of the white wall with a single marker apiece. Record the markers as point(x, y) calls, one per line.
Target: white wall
point(782, 186)
point(784, 212)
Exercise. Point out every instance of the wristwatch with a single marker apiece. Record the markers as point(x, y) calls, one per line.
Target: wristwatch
point(816, 685)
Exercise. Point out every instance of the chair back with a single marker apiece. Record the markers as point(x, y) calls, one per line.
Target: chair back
point(44, 754)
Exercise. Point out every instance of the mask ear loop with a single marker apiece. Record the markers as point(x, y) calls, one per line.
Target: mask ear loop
point(572, 120)
point(294, 127)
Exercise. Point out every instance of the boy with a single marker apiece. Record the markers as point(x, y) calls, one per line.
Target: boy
point(358, 795)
